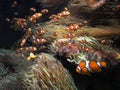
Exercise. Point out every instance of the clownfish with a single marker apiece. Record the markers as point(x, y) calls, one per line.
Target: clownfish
point(19, 50)
point(63, 14)
point(14, 4)
point(28, 33)
point(106, 42)
point(44, 11)
point(23, 42)
point(85, 49)
point(41, 31)
point(39, 41)
point(30, 49)
point(34, 17)
point(33, 9)
point(72, 27)
point(69, 35)
point(22, 55)
point(21, 22)
point(55, 34)
point(86, 67)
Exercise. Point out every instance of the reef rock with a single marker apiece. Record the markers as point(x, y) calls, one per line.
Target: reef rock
point(10, 67)
point(100, 12)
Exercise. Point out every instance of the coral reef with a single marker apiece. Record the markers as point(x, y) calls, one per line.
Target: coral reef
point(91, 10)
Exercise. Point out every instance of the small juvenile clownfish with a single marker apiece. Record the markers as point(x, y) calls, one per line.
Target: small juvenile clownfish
point(86, 67)
point(69, 35)
point(19, 50)
point(22, 56)
point(39, 41)
point(30, 49)
point(33, 9)
point(40, 31)
point(85, 49)
point(21, 22)
point(28, 33)
point(106, 42)
point(53, 16)
point(83, 23)
point(55, 34)
point(64, 13)
point(42, 47)
point(72, 27)
point(34, 17)
point(7, 19)
point(14, 4)
point(23, 42)
point(44, 11)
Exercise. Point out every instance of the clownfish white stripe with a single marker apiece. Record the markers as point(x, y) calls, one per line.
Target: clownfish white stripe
point(38, 40)
point(78, 68)
point(31, 19)
point(99, 64)
point(34, 16)
point(87, 65)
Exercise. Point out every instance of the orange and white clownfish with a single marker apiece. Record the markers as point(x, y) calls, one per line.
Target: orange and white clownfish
point(55, 34)
point(19, 50)
point(44, 11)
point(63, 14)
point(106, 42)
point(23, 42)
point(30, 49)
point(34, 17)
point(69, 35)
point(39, 41)
point(33, 9)
point(72, 27)
point(41, 31)
point(86, 67)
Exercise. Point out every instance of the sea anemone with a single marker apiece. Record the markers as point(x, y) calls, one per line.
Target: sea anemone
point(47, 73)
point(87, 49)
